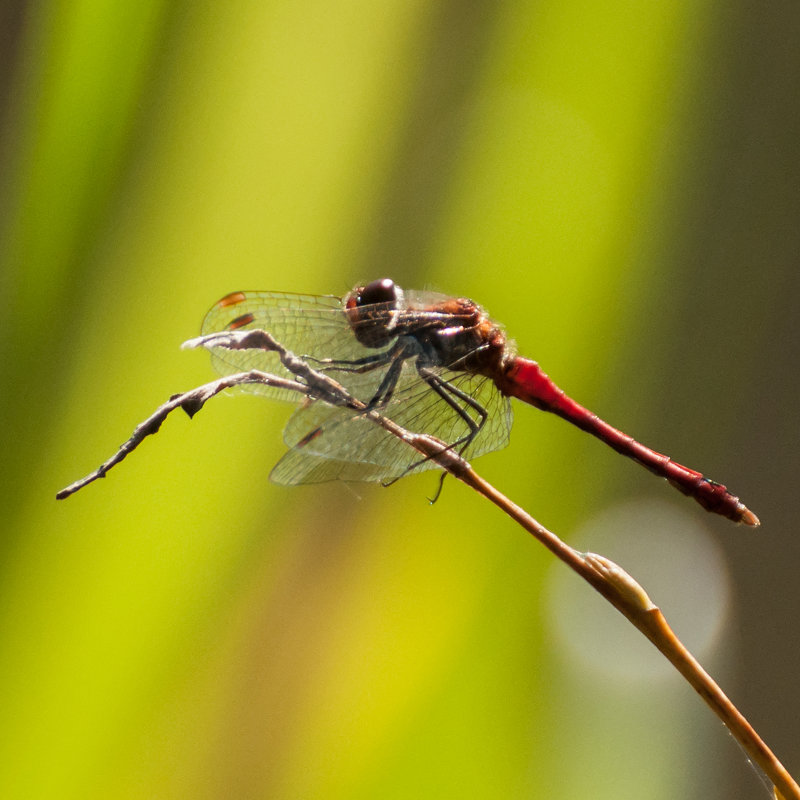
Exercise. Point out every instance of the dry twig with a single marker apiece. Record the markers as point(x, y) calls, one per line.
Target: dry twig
point(606, 577)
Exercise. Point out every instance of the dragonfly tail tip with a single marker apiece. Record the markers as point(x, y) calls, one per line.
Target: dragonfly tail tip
point(747, 517)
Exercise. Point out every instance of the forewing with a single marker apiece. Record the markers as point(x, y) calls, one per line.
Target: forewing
point(313, 327)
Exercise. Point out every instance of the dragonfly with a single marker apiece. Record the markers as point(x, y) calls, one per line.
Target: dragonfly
point(432, 363)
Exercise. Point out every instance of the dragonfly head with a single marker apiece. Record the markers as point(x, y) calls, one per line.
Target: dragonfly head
point(384, 290)
point(372, 311)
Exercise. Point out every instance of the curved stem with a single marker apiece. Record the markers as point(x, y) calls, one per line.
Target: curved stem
point(628, 597)
point(609, 579)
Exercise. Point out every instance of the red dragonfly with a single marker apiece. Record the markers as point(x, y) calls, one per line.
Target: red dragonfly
point(433, 364)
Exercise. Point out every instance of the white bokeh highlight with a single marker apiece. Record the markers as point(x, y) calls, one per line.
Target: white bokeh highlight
point(673, 555)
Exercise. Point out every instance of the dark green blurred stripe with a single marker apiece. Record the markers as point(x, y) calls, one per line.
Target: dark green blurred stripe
point(78, 89)
point(449, 67)
point(13, 19)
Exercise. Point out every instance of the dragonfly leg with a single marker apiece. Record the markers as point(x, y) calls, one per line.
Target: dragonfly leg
point(388, 383)
point(451, 395)
point(439, 488)
point(448, 393)
point(358, 365)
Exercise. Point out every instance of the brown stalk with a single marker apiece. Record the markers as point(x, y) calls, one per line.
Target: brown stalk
point(606, 577)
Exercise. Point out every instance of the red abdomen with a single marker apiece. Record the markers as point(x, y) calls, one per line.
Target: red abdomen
point(526, 381)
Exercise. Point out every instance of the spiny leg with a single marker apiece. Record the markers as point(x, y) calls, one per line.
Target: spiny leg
point(448, 392)
point(358, 365)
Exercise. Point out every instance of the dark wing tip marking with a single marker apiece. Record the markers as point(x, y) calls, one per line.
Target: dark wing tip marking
point(240, 322)
point(231, 299)
point(309, 437)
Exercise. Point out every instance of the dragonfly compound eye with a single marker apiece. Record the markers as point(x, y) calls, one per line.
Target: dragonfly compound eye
point(381, 291)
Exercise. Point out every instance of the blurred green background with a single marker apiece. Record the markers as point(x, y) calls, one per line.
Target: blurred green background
point(618, 184)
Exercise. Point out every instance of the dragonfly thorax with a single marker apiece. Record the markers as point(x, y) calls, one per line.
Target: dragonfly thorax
point(462, 337)
point(455, 333)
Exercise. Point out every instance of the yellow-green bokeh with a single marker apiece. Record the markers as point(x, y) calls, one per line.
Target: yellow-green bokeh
point(186, 629)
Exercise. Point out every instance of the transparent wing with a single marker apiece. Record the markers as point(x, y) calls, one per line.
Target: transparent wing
point(333, 447)
point(328, 443)
point(310, 326)
point(417, 407)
